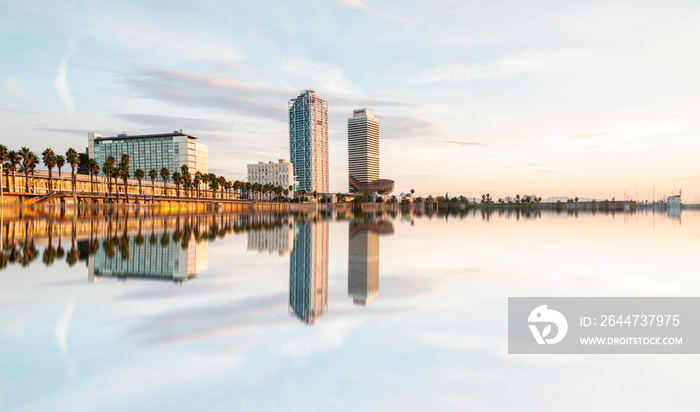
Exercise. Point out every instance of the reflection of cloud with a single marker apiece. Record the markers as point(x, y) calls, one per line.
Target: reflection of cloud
point(62, 330)
point(61, 82)
point(9, 110)
point(361, 5)
point(463, 342)
point(195, 324)
point(323, 337)
point(506, 65)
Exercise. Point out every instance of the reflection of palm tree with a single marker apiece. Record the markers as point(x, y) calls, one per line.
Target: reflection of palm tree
point(49, 255)
point(72, 256)
point(29, 251)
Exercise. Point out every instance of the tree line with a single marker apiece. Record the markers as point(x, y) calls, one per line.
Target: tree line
point(197, 185)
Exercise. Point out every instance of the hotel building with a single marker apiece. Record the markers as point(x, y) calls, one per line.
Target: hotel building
point(363, 146)
point(276, 174)
point(308, 141)
point(363, 154)
point(151, 151)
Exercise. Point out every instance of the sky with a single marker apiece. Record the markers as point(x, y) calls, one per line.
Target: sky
point(594, 99)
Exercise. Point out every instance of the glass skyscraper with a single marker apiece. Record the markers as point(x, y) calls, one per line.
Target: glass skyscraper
point(308, 141)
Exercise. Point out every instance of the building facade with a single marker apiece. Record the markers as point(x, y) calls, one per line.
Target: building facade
point(151, 151)
point(276, 174)
point(308, 141)
point(363, 146)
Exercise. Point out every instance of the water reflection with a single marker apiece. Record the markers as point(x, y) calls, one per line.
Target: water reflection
point(161, 257)
point(308, 271)
point(272, 235)
point(166, 248)
point(363, 257)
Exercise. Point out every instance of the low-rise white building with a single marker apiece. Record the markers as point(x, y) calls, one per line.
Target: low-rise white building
point(674, 201)
point(276, 174)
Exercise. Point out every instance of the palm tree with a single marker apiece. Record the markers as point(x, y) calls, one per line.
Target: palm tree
point(177, 179)
point(32, 168)
point(27, 158)
point(213, 184)
point(49, 159)
point(3, 156)
point(153, 174)
point(139, 174)
point(222, 184)
point(165, 175)
point(124, 171)
point(93, 170)
point(205, 182)
point(197, 181)
point(211, 178)
point(107, 170)
point(73, 159)
point(186, 178)
point(60, 162)
point(14, 159)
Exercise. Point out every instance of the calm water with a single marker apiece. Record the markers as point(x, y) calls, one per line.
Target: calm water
point(373, 312)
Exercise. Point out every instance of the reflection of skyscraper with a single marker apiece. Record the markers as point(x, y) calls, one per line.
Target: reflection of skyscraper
point(308, 272)
point(308, 141)
point(159, 259)
point(363, 260)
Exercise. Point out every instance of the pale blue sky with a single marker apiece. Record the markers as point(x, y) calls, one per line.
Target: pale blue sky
point(550, 98)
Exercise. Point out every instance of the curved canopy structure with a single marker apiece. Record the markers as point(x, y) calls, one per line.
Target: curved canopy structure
point(381, 186)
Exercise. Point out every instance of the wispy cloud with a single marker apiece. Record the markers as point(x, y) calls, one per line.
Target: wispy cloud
point(62, 130)
point(505, 66)
point(61, 81)
point(361, 5)
point(464, 143)
point(161, 123)
point(230, 94)
point(402, 127)
point(591, 135)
